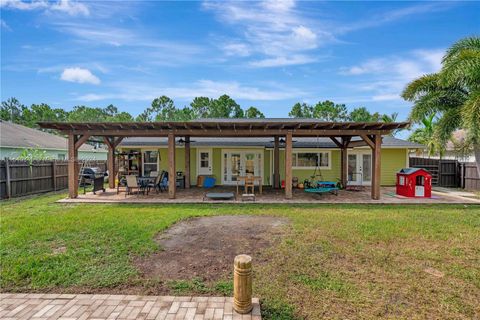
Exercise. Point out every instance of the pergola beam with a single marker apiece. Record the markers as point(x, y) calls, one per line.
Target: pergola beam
point(82, 140)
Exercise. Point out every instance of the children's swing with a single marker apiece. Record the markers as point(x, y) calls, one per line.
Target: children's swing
point(316, 184)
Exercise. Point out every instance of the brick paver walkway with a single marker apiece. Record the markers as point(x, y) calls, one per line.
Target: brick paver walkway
point(84, 306)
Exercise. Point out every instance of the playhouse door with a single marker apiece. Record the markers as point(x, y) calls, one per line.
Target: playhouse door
point(419, 191)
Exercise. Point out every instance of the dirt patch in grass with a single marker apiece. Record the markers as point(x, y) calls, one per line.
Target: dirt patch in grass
point(205, 247)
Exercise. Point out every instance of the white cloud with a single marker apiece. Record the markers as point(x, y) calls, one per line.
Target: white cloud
point(146, 92)
point(382, 18)
point(72, 8)
point(21, 5)
point(79, 75)
point(386, 77)
point(282, 61)
point(275, 31)
point(236, 49)
point(4, 25)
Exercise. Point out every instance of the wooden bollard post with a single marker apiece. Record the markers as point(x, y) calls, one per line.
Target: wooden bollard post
point(242, 284)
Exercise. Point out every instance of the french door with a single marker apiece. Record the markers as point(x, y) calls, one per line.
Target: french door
point(360, 167)
point(240, 163)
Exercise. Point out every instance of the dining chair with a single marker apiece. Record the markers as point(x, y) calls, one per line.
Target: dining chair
point(250, 184)
point(132, 185)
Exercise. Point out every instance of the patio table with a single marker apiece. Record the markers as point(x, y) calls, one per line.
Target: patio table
point(256, 178)
point(144, 181)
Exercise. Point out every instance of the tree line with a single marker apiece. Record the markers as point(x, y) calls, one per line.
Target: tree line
point(163, 109)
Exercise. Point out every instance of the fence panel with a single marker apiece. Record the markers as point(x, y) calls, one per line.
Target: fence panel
point(431, 165)
point(21, 178)
point(448, 173)
point(471, 178)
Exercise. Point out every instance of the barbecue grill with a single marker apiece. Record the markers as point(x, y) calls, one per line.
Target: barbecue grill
point(94, 177)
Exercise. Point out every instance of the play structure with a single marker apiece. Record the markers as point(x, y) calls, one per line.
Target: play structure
point(414, 182)
point(316, 185)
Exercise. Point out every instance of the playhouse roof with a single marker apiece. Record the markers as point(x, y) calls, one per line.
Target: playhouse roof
point(412, 170)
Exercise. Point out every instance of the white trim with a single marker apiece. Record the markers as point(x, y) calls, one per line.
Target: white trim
point(210, 159)
point(361, 152)
point(241, 151)
point(328, 152)
point(143, 160)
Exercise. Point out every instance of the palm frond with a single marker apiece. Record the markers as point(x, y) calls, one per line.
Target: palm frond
point(450, 121)
point(467, 43)
point(463, 69)
point(439, 101)
point(471, 116)
point(421, 86)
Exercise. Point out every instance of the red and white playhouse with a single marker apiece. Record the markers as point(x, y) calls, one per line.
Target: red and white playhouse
point(414, 182)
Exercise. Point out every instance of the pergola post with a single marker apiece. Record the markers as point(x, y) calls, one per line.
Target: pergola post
point(288, 165)
point(376, 163)
point(171, 166)
point(187, 162)
point(72, 166)
point(344, 161)
point(344, 167)
point(110, 163)
point(111, 143)
point(276, 163)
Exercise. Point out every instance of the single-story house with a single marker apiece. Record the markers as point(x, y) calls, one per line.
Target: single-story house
point(276, 150)
point(15, 138)
point(227, 158)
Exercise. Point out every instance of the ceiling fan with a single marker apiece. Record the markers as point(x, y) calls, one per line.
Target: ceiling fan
point(282, 141)
point(182, 141)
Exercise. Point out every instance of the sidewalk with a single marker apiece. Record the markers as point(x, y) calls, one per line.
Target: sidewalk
point(88, 306)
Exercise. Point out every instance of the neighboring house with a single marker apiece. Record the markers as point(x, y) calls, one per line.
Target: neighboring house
point(455, 149)
point(15, 138)
point(227, 158)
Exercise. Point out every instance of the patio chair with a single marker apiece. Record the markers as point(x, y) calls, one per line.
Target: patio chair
point(163, 185)
point(155, 185)
point(132, 185)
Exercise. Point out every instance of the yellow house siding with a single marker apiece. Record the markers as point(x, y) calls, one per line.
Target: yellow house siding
point(392, 161)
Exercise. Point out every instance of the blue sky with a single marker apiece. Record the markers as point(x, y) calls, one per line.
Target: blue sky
point(267, 54)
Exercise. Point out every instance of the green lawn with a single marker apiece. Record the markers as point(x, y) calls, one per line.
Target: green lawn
point(335, 261)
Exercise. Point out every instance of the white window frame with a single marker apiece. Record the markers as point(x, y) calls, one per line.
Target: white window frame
point(328, 152)
point(143, 160)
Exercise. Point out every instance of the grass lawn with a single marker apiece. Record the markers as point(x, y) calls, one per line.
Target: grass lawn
point(335, 261)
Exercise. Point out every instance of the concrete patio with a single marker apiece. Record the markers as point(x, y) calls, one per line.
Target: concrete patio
point(270, 195)
point(104, 306)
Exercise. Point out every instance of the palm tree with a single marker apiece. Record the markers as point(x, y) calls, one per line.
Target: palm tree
point(453, 94)
point(425, 135)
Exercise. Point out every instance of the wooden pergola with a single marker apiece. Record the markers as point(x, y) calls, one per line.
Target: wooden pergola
point(341, 133)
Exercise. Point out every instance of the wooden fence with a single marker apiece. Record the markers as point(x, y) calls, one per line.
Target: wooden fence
point(20, 178)
point(471, 180)
point(449, 173)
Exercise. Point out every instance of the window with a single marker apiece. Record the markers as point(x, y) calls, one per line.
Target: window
point(150, 162)
point(401, 180)
point(311, 159)
point(61, 156)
